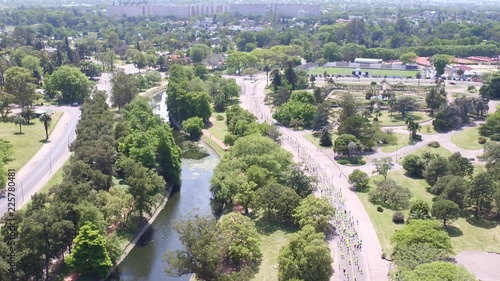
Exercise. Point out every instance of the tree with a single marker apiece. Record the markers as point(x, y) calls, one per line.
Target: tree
point(413, 255)
point(390, 195)
point(418, 76)
point(436, 168)
point(459, 165)
point(421, 231)
point(296, 177)
point(18, 83)
point(197, 54)
point(408, 57)
point(438, 271)
point(316, 212)
point(491, 126)
point(405, 104)
point(193, 127)
point(439, 61)
point(204, 249)
point(291, 76)
point(266, 69)
point(89, 254)
point(445, 210)
point(348, 104)
point(420, 210)
point(414, 165)
point(480, 193)
point(491, 155)
point(325, 139)
point(243, 240)
point(91, 70)
point(359, 179)
point(435, 99)
point(19, 120)
point(341, 144)
point(413, 127)
point(123, 88)
point(382, 166)
point(276, 201)
point(491, 87)
point(70, 82)
point(5, 101)
point(358, 127)
point(306, 257)
point(46, 119)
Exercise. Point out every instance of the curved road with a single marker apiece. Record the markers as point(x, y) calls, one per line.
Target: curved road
point(51, 156)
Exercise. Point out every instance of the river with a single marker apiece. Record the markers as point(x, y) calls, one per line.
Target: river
point(144, 262)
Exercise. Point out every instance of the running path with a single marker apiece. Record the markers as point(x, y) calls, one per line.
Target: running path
point(376, 268)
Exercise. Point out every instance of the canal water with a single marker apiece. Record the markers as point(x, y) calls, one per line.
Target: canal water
point(144, 262)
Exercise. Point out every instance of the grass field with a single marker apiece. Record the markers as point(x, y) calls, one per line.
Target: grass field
point(427, 130)
point(314, 140)
point(467, 138)
point(218, 128)
point(439, 150)
point(27, 144)
point(402, 140)
point(213, 145)
point(273, 238)
point(397, 119)
point(348, 71)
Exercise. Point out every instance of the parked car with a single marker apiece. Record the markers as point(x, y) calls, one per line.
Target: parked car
point(75, 104)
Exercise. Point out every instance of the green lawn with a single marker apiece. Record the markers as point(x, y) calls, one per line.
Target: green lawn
point(314, 140)
point(218, 128)
point(273, 238)
point(397, 119)
point(348, 71)
point(57, 178)
point(481, 236)
point(402, 140)
point(467, 138)
point(213, 145)
point(427, 130)
point(27, 144)
point(439, 150)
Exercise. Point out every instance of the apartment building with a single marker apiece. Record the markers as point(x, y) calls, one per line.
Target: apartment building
point(295, 10)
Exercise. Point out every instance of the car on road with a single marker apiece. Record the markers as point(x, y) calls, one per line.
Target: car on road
point(75, 104)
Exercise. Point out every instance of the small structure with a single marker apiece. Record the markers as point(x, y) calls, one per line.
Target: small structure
point(368, 61)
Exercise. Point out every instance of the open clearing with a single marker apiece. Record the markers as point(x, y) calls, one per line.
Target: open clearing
point(467, 138)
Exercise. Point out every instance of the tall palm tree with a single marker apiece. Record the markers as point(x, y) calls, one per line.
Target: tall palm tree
point(46, 119)
point(27, 113)
point(267, 69)
point(19, 120)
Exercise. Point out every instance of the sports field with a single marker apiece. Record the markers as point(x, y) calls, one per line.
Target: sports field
point(348, 71)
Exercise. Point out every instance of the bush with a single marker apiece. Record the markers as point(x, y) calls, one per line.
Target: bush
point(434, 144)
point(481, 140)
point(219, 118)
point(229, 139)
point(471, 88)
point(414, 165)
point(398, 218)
point(344, 162)
point(495, 137)
point(380, 209)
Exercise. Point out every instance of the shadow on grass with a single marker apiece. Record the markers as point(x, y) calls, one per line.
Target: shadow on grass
point(454, 231)
point(19, 133)
point(487, 224)
point(45, 141)
point(266, 226)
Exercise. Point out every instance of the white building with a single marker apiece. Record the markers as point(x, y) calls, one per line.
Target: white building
point(296, 10)
point(248, 9)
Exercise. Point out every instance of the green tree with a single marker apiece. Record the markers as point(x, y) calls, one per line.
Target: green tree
point(316, 212)
point(491, 86)
point(390, 195)
point(20, 120)
point(421, 231)
point(436, 168)
point(325, 139)
point(70, 82)
point(243, 240)
point(197, 54)
point(491, 155)
point(413, 127)
point(306, 257)
point(276, 201)
point(19, 83)
point(439, 61)
point(89, 253)
point(359, 179)
point(412, 255)
point(435, 99)
point(46, 119)
point(204, 249)
point(480, 193)
point(405, 104)
point(459, 165)
point(439, 271)
point(491, 126)
point(445, 210)
point(341, 144)
point(408, 57)
point(420, 210)
point(123, 88)
point(193, 127)
point(414, 165)
point(348, 104)
point(382, 166)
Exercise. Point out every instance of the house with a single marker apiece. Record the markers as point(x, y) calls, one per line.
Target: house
point(423, 61)
point(484, 60)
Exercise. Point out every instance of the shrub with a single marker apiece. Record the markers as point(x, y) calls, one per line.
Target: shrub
point(193, 127)
point(471, 88)
point(229, 139)
point(434, 144)
point(398, 218)
point(219, 118)
point(495, 137)
point(481, 140)
point(344, 162)
point(380, 209)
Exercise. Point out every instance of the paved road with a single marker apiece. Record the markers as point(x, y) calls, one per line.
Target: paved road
point(39, 169)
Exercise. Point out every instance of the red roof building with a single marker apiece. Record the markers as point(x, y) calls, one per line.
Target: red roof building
point(484, 60)
point(423, 61)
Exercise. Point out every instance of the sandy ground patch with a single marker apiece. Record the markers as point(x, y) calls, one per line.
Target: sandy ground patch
point(485, 265)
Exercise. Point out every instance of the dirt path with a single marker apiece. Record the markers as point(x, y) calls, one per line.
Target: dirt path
point(215, 139)
point(484, 265)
